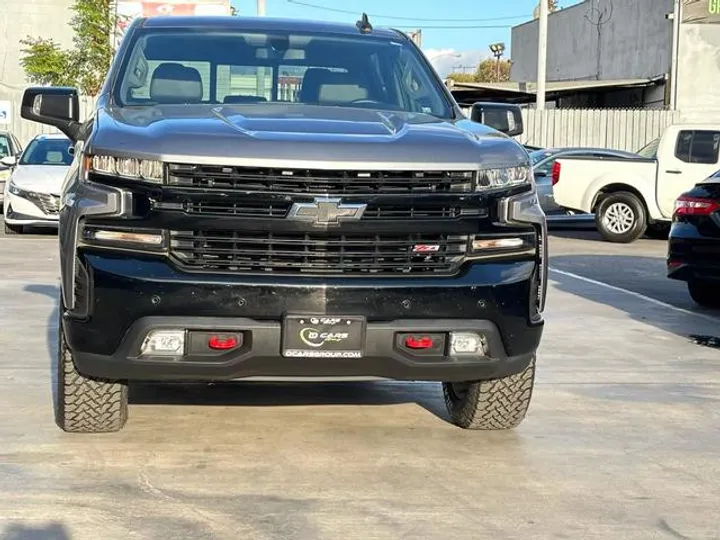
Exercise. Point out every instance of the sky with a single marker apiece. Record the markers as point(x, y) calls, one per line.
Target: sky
point(447, 41)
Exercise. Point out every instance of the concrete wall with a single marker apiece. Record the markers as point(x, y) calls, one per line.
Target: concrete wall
point(20, 18)
point(634, 43)
point(699, 70)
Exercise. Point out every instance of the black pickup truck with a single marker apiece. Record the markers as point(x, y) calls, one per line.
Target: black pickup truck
point(260, 199)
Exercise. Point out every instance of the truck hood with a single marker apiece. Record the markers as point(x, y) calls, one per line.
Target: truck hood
point(40, 178)
point(294, 134)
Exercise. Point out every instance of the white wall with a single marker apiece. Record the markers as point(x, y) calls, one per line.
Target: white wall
point(699, 69)
point(22, 18)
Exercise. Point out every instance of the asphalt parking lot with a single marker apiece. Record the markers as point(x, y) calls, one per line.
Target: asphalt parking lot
point(621, 441)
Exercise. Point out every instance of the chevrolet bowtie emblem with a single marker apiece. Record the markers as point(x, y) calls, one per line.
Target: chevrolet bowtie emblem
point(325, 211)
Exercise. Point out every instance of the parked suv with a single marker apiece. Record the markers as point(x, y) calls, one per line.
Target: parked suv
point(286, 200)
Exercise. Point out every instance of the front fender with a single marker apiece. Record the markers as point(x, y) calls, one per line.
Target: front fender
point(81, 198)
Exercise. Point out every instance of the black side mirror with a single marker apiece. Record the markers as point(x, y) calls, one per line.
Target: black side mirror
point(540, 174)
point(54, 106)
point(504, 117)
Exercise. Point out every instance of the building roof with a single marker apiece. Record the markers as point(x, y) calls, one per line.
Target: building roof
point(555, 87)
point(515, 91)
point(265, 24)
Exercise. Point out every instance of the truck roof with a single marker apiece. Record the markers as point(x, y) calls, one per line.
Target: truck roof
point(263, 24)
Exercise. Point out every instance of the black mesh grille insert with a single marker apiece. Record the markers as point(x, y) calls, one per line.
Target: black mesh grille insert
point(334, 182)
point(326, 254)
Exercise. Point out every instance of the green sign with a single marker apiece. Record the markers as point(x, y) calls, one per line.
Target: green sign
point(701, 11)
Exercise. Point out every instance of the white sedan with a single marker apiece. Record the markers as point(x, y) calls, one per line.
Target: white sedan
point(32, 195)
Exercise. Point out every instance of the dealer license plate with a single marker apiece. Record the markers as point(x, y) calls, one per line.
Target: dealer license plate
point(323, 337)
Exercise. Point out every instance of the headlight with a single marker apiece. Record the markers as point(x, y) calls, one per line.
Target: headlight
point(148, 170)
point(12, 188)
point(503, 177)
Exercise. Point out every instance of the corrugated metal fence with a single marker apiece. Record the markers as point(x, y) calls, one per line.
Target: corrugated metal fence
point(619, 129)
point(604, 128)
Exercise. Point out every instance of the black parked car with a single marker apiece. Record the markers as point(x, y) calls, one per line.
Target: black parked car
point(694, 247)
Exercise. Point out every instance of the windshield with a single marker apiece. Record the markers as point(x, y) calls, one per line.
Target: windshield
point(650, 150)
point(170, 66)
point(47, 152)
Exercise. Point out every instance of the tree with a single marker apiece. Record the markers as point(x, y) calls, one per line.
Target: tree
point(490, 70)
point(94, 24)
point(86, 64)
point(487, 71)
point(462, 77)
point(45, 63)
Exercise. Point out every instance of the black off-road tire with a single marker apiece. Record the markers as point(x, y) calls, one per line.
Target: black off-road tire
point(636, 210)
point(705, 294)
point(496, 404)
point(84, 405)
point(13, 229)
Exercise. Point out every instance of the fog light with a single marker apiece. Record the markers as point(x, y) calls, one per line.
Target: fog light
point(467, 343)
point(163, 343)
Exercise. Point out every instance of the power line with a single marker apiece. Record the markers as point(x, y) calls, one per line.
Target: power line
point(456, 27)
point(345, 11)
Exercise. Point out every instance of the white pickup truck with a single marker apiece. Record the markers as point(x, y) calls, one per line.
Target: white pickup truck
point(630, 197)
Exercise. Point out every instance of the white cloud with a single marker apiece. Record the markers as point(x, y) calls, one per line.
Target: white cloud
point(445, 61)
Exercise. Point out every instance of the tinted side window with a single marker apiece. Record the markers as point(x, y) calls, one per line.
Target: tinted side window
point(5, 147)
point(698, 147)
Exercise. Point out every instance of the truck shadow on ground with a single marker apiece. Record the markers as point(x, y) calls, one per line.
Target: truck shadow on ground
point(645, 278)
point(16, 531)
point(251, 394)
point(263, 394)
point(589, 234)
point(51, 330)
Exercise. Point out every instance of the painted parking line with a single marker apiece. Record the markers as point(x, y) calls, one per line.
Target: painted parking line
point(635, 294)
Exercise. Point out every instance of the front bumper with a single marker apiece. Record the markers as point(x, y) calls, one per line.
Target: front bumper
point(113, 297)
point(684, 266)
point(692, 255)
point(20, 211)
point(130, 296)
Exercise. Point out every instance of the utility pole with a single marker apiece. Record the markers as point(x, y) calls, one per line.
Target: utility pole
point(542, 54)
point(676, 18)
point(416, 37)
point(260, 73)
point(498, 49)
